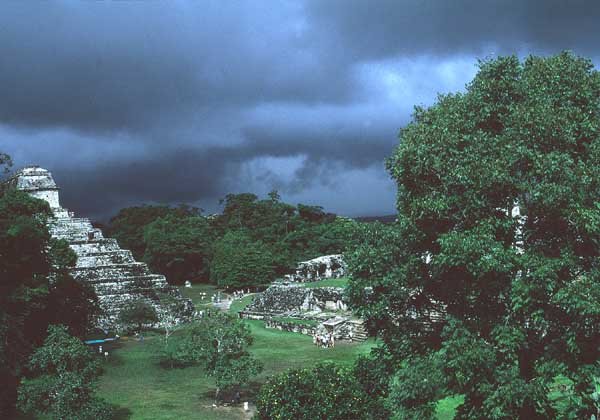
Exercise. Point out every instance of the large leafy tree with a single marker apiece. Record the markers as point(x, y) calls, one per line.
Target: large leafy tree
point(241, 262)
point(71, 303)
point(179, 247)
point(326, 391)
point(35, 287)
point(219, 343)
point(292, 233)
point(62, 374)
point(24, 270)
point(492, 275)
point(128, 225)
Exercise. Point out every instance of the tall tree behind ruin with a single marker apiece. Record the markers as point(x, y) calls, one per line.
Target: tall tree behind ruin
point(493, 278)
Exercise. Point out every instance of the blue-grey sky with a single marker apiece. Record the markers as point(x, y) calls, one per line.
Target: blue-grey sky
point(170, 102)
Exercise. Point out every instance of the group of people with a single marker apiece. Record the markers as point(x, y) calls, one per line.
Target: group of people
point(324, 340)
point(238, 294)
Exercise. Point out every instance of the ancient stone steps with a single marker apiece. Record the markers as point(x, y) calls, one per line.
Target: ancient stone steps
point(94, 246)
point(113, 272)
point(359, 332)
point(105, 258)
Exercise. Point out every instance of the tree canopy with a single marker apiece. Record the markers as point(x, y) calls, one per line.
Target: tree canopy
point(219, 343)
point(127, 226)
point(325, 391)
point(62, 374)
point(491, 274)
point(179, 247)
point(240, 262)
point(184, 245)
point(35, 287)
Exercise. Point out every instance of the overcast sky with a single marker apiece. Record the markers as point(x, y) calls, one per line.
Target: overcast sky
point(171, 102)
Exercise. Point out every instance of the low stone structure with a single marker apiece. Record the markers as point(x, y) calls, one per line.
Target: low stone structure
point(116, 277)
point(293, 307)
point(282, 298)
point(324, 267)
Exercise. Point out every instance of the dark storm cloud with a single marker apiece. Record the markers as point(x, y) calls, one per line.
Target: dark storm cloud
point(118, 65)
point(131, 102)
point(372, 30)
point(191, 175)
point(354, 146)
point(181, 176)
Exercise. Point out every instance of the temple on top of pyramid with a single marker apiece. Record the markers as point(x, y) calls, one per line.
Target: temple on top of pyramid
point(113, 272)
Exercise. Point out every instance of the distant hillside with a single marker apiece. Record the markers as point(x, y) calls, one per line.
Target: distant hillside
point(390, 218)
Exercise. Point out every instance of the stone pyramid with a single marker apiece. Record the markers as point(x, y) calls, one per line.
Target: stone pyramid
point(112, 271)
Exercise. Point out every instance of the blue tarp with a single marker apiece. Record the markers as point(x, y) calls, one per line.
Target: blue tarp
point(100, 341)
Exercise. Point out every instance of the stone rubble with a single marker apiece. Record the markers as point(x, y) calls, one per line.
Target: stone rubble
point(116, 277)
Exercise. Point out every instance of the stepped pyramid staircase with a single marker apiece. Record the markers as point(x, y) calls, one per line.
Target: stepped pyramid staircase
point(113, 272)
point(359, 332)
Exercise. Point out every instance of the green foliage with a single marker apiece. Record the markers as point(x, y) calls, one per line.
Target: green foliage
point(326, 391)
point(28, 259)
point(310, 240)
point(70, 302)
point(240, 262)
point(291, 233)
point(181, 244)
point(179, 247)
point(500, 304)
point(139, 313)
point(128, 225)
point(62, 371)
point(73, 304)
point(373, 375)
point(219, 343)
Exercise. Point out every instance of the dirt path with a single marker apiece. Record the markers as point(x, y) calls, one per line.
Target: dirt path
point(224, 305)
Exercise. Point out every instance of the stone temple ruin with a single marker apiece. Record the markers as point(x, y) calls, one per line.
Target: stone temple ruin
point(291, 306)
point(116, 277)
point(324, 267)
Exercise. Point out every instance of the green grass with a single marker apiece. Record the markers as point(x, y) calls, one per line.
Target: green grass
point(193, 293)
point(446, 408)
point(240, 304)
point(134, 381)
point(280, 350)
point(341, 282)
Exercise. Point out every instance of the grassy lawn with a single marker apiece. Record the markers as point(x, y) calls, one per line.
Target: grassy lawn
point(280, 350)
point(134, 381)
point(240, 304)
point(341, 282)
point(194, 293)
